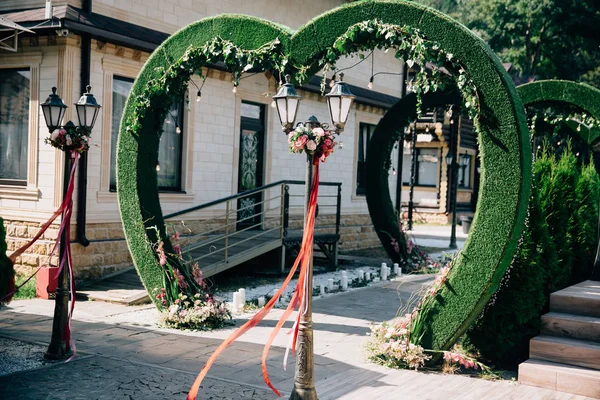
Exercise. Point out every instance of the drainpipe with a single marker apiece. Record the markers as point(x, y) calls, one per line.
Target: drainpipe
point(86, 47)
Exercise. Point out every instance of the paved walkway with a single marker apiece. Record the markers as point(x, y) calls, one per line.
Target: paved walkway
point(118, 360)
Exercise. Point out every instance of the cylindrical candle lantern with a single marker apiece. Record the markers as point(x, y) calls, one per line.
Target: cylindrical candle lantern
point(361, 274)
point(330, 285)
point(235, 304)
point(322, 290)
point(261, 301)
point(396, 269)
point(384, 272)
point(242, 296)
point(344, 282)
point(367, 276)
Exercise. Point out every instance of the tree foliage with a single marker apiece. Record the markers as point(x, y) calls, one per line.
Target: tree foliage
point(556, 249)
point(541, 38)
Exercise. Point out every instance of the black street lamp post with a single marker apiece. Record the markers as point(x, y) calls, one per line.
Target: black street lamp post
point(54, 110)
point(339, 101)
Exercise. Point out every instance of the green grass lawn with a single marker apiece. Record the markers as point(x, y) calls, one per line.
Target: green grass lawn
point(27, 291)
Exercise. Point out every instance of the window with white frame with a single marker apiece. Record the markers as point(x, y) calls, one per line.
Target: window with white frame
point(428, 167)
point(464, 180)
point(14, 125)
point(171, 142)
point(365, 132)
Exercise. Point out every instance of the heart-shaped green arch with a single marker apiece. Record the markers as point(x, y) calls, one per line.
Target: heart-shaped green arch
point(584, 98)
point(504, 143)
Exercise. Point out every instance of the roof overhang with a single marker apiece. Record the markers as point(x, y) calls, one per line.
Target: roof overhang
point(10, 26)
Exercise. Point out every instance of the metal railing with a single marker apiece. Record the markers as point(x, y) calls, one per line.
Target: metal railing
point(246, 224)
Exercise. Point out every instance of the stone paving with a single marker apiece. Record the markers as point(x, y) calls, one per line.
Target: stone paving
point(123, 361)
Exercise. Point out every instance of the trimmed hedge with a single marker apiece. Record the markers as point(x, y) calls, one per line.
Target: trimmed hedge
point(559, 241)
point(504, 144)
point(505, 147)
point(389, 130)
point(136, 155)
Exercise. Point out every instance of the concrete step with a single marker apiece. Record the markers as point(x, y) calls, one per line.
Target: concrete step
point(571, 326)
point(565, 351)
point(580, 299)
point(560, 377)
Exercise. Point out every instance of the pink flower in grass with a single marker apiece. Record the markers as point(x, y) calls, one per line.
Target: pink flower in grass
point(181, 280)
point(176, 236)
point(457, 358)
point(162, 257)
point(409, 246)
point(177, 249)
point(197, 274)
point(300, 142)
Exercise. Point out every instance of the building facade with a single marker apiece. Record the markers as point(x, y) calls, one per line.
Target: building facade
point(105, 43)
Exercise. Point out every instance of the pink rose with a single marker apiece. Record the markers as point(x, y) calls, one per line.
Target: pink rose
point(300, 142)
point(290, 137)
point(319, 131)
point(311, 145)
point(328, 143)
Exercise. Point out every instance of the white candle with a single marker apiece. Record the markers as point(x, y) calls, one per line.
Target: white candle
point(330, 284)
point(396, 269)
point(367, 276)
point(322, 290)
point(242, 296)
point(361, 274)
point(384, 272)
point(261, 301)
point(344, 282)
point(236, 301)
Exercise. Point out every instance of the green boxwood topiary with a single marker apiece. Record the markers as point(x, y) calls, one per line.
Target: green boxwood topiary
point(512, 317)
point(502, 135)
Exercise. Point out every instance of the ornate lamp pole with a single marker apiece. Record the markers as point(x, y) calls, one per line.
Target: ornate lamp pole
point(339, 101)
point(54, 110)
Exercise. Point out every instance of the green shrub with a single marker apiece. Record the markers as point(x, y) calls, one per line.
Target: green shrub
point(556, 248)
point(585, 237)
point(559, 209)
point(503, 331)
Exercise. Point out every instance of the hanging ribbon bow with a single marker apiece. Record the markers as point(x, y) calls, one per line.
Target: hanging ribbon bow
point(299, 298)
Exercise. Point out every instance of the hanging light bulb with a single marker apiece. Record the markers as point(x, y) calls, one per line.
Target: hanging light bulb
point(273, 104)
point(370, 85)
point(393, 171)
point(332, 81)
point(427, 129)
point(157, 166)
point(234, 90)
point(451, 121)
point(198, 96)
point(177, 129)
point(577, 154)
point(579, 128)
point(558, 144)
point(168, 121)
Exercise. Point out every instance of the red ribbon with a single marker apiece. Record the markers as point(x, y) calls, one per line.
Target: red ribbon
point(66, 210)
point(299, 298)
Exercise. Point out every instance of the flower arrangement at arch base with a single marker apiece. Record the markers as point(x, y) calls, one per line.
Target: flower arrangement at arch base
point(186, 299)
point(396, 343)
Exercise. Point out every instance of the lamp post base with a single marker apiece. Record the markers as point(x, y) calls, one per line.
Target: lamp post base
point(304, 394)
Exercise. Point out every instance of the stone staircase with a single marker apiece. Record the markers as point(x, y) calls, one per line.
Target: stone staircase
point(566, 356)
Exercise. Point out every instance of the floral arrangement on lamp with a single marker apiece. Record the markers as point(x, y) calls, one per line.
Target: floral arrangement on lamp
point(69, 138)
point(317, 142)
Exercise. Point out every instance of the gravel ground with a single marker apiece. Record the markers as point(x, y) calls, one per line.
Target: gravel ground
point(18, 356)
